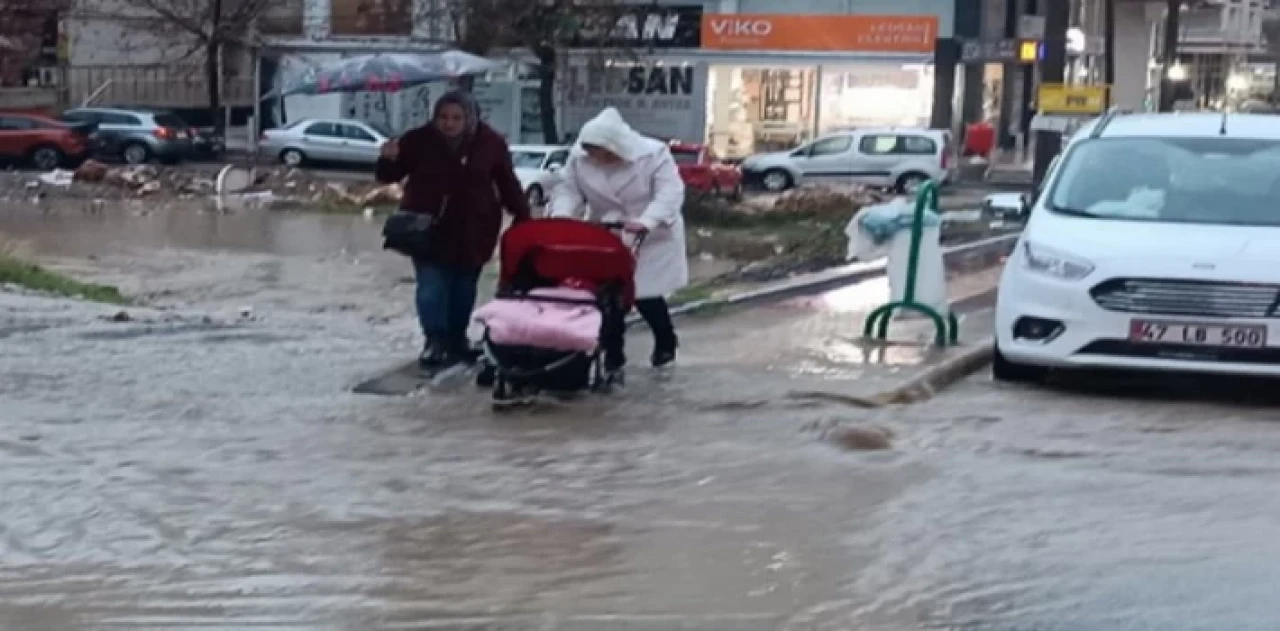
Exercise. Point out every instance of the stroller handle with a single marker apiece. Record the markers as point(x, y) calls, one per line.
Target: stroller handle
point(621, 226)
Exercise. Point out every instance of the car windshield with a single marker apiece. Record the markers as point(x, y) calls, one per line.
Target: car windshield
point(685, 156)
point(379, 128)
point(528, 159)
point(1228, 181)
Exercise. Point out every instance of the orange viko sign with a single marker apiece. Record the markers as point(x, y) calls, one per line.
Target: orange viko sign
point(820, 33)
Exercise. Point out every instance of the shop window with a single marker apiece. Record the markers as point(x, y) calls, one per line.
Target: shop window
point(897, 145)
point(831, 146)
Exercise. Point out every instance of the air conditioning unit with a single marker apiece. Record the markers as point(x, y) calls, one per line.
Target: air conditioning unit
point(50, 77)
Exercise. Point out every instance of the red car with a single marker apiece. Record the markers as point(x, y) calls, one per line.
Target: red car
point(43, 142)
point(702, 171)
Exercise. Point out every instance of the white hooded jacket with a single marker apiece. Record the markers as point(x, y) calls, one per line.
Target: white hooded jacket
point(646, 188)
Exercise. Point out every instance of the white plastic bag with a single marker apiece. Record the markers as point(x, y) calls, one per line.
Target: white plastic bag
point(866, 244)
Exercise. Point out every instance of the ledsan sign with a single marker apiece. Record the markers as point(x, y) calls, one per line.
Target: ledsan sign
point(677, 26)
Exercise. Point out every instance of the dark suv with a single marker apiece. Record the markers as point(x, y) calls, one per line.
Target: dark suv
point(137, 136)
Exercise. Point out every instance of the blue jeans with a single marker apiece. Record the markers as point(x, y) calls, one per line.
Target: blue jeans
point(445, 299)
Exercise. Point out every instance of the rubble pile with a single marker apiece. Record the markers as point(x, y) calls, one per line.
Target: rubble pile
point(303, 186)
point(826, 201)
point(98, 181)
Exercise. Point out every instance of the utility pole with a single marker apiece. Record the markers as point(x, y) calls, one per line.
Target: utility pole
point(1109, 49)
point(1169, 54)
point(1052, 70)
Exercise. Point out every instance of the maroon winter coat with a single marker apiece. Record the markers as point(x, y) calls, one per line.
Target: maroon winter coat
point(478, 181)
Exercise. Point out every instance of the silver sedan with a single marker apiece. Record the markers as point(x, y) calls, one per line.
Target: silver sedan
point(325, 140)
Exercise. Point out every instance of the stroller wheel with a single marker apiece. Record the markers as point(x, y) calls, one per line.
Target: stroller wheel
point(487, 376)
point(507, 395)
point(611, 380)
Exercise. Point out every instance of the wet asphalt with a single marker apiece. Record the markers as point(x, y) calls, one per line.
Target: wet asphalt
point(205, 465)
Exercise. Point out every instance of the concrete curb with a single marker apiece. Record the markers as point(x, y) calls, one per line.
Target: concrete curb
point(986, 250)
point(943, 375)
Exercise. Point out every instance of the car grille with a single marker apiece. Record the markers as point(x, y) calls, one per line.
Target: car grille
point(1187, 297)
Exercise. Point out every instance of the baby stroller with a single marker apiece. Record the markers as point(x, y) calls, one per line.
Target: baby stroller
point(561, 283)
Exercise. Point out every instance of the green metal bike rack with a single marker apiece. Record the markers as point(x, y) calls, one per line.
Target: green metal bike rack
point(947, 328)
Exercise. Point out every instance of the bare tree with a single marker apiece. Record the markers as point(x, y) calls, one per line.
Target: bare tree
point(544, 28)
point(211, 26)
point(24, 25)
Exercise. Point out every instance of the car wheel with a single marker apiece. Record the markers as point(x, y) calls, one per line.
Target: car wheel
point(909, 183)
point(535, 196)
point(776, 180)
point(47, 158)
point(136, 153)
point(292, 157)
point(1010, 372)
point(736, 194)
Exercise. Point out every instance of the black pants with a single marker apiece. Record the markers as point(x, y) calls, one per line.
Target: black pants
point(613, 335)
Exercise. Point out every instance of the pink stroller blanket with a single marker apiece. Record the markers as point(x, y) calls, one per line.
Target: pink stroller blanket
point(548, 325)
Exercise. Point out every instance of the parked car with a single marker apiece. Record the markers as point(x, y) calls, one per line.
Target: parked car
point(537, 167)
point(885, 157)
point(703, 171)
point(43, 142)
point(1153, 245)
point(137, 136)
point(207, 143)
point(325, 140)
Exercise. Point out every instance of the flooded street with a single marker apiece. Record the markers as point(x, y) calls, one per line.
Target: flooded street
point(205, 465)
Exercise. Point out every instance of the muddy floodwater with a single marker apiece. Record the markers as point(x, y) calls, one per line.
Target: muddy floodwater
point(203, 464)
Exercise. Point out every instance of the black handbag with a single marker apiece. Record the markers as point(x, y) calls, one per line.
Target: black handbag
point(410, 233)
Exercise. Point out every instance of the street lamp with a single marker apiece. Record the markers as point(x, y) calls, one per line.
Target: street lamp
point(1177, 72)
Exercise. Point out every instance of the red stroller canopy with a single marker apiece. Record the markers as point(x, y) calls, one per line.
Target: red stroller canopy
point(557, 250)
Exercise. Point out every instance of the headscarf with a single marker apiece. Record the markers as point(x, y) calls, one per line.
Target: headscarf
point(609, 131)
point(470, 109)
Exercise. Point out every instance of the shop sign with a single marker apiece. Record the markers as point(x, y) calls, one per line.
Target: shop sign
point(1057, 98)
point(660, 101)
point(668, 26)
point(989, 51)
point(820, 33)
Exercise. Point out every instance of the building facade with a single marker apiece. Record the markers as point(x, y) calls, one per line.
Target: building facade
point(745, 75)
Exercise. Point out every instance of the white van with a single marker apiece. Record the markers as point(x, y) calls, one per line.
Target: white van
point(900, 158)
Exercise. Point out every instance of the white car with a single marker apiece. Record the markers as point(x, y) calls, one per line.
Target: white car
point(324, 140)
point(1153, 245)
point(536, 167)
point(883, 157)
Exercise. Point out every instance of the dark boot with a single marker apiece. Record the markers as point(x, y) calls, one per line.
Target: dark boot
point(664, 351)
point(658, 316)
point(434, 355)
point(461, 351)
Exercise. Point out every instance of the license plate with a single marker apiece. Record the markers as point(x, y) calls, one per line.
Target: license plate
point(1194, 334)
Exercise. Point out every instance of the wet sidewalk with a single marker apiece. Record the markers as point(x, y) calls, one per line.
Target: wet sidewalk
point(815, 344)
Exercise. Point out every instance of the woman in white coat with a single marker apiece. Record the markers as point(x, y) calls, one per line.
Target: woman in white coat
point(614, 174)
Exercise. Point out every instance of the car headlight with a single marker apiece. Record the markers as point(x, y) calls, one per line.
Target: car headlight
point(1050, 262)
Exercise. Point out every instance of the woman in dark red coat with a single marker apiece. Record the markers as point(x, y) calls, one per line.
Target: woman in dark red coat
point(458, 169)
